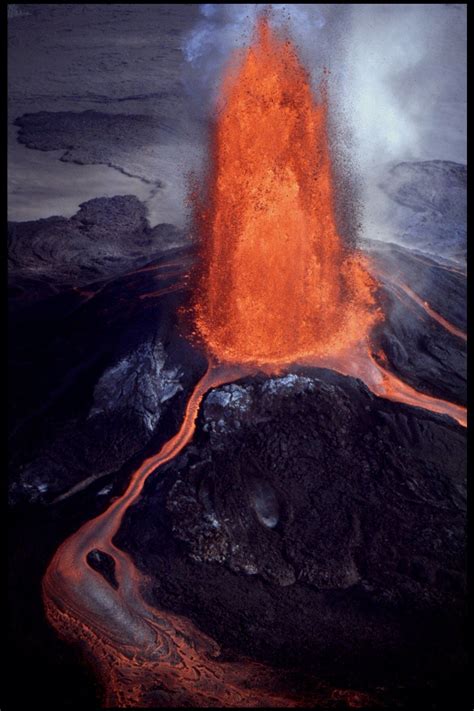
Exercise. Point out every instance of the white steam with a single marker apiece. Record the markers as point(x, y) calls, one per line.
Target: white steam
point(397, 80)
point(398, 72)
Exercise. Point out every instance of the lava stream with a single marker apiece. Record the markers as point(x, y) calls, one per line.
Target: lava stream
point(147, 657)
point(395, 389)
point(433, 314)
point(359, 363)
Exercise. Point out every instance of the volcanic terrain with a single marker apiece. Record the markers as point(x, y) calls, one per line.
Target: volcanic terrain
point(198, 517)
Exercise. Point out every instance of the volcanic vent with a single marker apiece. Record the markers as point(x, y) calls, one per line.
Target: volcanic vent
point(277, 283)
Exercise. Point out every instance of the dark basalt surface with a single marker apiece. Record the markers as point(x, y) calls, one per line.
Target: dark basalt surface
point(47, 131)
point(104, 564)
point(96, 373)
point(421, 352)
point(418, 349)
point(106, 237)
point(444, 288)
point(311, 524)
point(86, 419)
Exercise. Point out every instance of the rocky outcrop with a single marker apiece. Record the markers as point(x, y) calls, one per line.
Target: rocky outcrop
point(105, 238)
point(129, 402)
point(310, 522)
point(138, 384)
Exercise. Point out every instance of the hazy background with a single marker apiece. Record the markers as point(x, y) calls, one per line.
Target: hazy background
point(397, 71)
point(397, 83)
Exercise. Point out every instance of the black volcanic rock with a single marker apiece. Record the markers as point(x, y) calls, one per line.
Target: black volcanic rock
point(104, 564)
point(419, 349)
point(139, 396)
point(422, 352)
point(103, 239)
point(444, 288)
point(312, 524)
point(96, 374)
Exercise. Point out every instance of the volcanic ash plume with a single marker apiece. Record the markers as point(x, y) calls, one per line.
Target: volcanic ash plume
point(277, 284)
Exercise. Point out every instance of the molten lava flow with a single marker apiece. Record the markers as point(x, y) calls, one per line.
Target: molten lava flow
point(360, 363)
point(277, 283)
point(393, 388)
point(148, 657)
point(432, 313)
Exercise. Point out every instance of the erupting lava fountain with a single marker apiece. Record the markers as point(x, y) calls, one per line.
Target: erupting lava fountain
point(277, 284)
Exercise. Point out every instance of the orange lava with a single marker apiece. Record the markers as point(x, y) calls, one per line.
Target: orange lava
point(359, 362)
point(277, 283)
point(146, 657)
point(432, 313)
point(392, 388)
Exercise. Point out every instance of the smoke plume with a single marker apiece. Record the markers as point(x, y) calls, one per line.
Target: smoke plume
point(397, 77)
point(397, 72)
